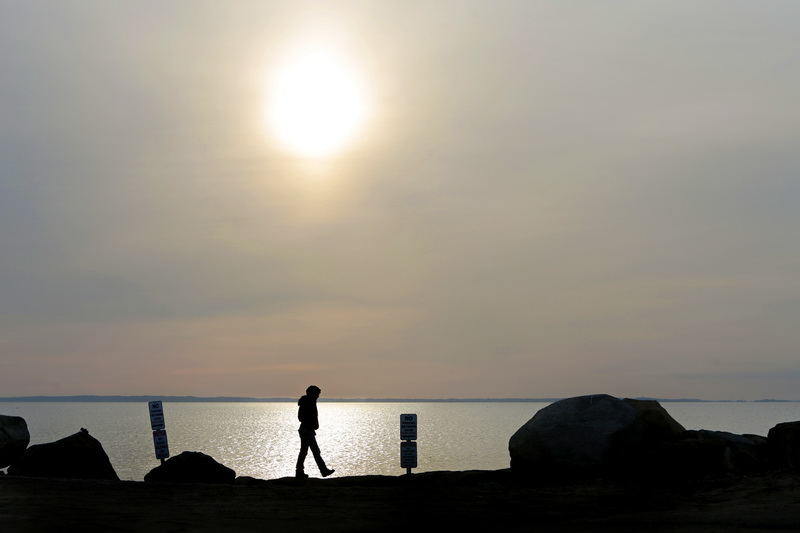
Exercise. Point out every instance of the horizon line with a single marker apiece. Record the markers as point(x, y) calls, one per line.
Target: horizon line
point(249, 399)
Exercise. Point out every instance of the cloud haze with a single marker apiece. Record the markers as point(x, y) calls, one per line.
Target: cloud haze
point(551, 199)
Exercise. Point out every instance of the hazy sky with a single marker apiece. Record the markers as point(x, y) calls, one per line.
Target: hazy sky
point(547, 199)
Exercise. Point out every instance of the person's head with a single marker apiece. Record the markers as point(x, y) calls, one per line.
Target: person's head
point(313, 391)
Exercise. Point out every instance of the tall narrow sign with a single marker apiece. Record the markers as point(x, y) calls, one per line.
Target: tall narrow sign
point(159, 427)
point(408, 448)
point(156, 415)
point(408, 427)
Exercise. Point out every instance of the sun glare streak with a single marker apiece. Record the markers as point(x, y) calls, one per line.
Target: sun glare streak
point(317, 104)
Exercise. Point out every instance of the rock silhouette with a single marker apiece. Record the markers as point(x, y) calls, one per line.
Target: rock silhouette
point(14, 439)
point(78, 456)
point(191, 467)
point(784, 445)
point(580, 436)
point(599, 435)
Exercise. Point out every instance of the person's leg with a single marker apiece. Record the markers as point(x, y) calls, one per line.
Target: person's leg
point(312, 443)
point(301, 459)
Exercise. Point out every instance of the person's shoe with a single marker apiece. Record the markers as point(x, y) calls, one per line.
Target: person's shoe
point(328, 472)
point(301, 475)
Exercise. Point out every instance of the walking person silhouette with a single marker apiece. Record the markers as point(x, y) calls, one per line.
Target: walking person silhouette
point(309, 424)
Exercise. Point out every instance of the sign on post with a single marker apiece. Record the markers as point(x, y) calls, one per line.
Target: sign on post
point(161, 444)
point(408, 427)
point(159, 428)
point(157, 415)
point(408, 454)
point(408, 449)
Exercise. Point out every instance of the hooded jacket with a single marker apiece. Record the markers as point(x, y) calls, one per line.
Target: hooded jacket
point(307, 413)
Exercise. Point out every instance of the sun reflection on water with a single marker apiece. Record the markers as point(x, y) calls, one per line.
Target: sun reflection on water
point(260, 439)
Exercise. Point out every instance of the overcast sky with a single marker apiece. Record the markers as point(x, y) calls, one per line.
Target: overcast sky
point(548, 199)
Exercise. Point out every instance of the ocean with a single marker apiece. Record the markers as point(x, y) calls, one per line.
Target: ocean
point(259, 439)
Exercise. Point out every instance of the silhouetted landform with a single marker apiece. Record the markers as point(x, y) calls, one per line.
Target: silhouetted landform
point(243, 399)
point(466, 501)
point(771, 401)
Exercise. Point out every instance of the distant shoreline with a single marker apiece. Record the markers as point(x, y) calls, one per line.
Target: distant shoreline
point(237, 399)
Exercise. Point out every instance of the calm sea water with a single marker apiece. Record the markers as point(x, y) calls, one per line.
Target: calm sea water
point(260, 439)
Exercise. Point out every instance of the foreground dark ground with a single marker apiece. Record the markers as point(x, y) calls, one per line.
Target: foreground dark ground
point(454, 501)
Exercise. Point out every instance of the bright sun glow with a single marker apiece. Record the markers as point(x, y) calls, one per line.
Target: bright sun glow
point(317, 105)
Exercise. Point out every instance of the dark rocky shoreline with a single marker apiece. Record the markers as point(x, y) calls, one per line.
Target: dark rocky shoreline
point(454, 501)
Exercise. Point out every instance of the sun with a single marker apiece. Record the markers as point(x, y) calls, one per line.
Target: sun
point(317, 104)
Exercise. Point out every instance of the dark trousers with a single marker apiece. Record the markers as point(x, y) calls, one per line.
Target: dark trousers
point(308, 440)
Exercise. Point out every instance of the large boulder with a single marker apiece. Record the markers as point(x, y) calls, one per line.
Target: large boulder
point(191, 467)
point(656, 424)
point(77, 456)
point(584, 435)
point(14, 439)
point(783, 442)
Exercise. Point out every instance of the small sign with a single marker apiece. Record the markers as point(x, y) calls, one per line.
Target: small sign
point(408, 454)
point(161, 444)
point(157, 415)
point(408, 427)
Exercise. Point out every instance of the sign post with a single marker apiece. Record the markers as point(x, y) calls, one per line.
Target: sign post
point(159, 428)
point(408, 448)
